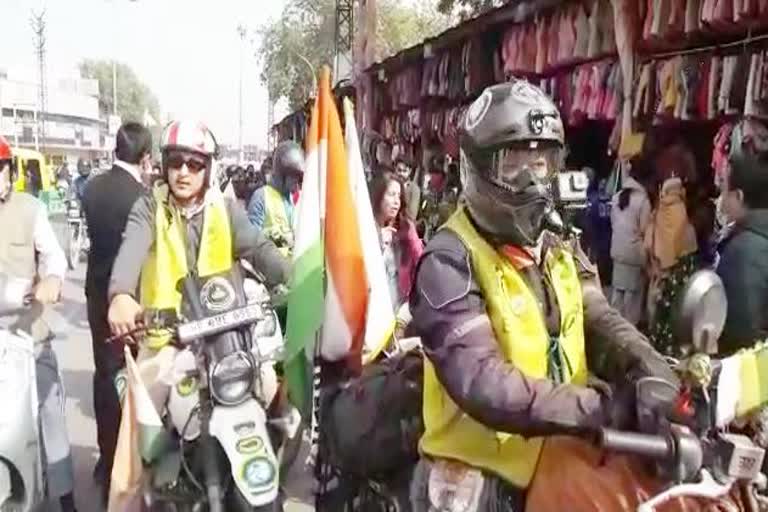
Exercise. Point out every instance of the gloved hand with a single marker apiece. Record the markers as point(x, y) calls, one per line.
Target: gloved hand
point(619, 403)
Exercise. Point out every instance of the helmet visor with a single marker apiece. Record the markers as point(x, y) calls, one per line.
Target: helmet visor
point(518, 168)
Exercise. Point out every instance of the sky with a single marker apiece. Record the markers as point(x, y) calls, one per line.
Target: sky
point(186, 51)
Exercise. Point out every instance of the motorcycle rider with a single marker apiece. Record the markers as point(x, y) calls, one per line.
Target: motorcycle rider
point(245, 184)
point(84, 172)
point(271, 207)
point(183, 217)
point(31, 261)
point(503, 304)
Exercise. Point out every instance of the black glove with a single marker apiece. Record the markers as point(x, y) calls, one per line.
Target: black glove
point(619, 403)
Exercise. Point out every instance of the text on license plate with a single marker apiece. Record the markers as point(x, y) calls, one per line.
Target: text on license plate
point(219, 323)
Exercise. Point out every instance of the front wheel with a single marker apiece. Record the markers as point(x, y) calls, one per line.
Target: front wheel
point(238, 503)
point(74, 245)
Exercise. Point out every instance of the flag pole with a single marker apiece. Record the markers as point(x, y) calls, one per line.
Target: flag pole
point(314, 458)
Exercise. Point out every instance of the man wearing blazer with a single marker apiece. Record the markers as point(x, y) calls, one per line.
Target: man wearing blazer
point(108, 199)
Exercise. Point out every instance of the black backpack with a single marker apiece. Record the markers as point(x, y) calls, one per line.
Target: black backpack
point(370, 426)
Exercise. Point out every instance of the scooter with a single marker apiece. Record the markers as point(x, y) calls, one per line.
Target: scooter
point(22, 477)
point(224, 451)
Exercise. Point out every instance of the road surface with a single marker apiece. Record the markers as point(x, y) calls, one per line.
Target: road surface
point(73, 348)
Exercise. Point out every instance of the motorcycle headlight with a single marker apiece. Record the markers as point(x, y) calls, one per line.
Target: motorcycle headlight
point(232, 379)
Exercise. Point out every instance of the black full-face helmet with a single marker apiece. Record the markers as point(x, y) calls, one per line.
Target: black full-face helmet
point(288, 159)
point(512, 147)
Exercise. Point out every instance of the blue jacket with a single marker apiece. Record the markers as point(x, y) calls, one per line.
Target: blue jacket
point(80, 183)
point(257, 208)
point(743, 267)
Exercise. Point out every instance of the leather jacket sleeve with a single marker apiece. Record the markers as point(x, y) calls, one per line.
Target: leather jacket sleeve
point(449, 314)
point(616, 350)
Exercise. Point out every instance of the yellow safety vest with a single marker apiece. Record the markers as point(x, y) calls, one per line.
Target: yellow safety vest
point(521, 332)
point(276, 218)
point(167, 260)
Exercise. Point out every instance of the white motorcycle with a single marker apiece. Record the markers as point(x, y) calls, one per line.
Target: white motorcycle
point(22, 477)
point(225, 450)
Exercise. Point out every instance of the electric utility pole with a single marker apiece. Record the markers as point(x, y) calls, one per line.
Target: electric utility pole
point(38, 28)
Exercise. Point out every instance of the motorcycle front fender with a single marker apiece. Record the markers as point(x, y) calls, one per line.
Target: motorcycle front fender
point(19, 433)
point(242, 432)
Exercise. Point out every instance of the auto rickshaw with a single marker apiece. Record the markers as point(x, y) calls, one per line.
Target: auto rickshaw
point(34, 174)
point(36, 177)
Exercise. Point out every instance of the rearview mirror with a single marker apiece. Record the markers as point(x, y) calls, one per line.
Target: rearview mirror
point(701, 312)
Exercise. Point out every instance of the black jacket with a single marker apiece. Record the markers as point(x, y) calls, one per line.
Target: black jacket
point(743, 268)
point(107, 201)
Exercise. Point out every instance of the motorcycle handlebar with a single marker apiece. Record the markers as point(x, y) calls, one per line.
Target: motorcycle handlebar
point(645, 445)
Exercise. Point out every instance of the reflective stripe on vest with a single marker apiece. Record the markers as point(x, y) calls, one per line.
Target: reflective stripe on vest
point(523, 338)
point(276, 219)
point(167, 260)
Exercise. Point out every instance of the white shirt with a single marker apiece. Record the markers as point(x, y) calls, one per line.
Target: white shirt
point(52, 262)
point(132, 169)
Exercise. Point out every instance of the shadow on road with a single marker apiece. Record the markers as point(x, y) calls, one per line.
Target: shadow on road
point(78, 384)
point(87, 495)
point(73, 312)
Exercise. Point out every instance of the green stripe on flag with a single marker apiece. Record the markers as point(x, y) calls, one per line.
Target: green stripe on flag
point(306, 302)
point(153, 442)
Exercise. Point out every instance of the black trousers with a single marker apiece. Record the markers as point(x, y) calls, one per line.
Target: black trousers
point(108, 359)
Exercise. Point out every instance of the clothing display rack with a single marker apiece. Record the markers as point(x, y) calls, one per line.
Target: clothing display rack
point(713, 82)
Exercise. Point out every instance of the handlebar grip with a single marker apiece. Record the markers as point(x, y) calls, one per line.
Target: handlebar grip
point(645, 445)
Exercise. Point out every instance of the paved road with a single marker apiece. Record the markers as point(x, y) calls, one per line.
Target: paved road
point(73, 347)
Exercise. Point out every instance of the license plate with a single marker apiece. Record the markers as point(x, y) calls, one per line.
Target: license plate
point(74, 214)
point(219, 323)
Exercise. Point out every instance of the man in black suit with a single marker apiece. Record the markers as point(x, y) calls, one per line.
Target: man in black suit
point(107, 201)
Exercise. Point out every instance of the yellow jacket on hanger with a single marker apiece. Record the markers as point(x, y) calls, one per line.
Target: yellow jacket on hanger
point(520, 330)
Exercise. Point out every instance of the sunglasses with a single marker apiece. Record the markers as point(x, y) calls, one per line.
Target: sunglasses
point(194, 164)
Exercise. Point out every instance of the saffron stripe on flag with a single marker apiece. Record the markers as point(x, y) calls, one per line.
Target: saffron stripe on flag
point(347, 284)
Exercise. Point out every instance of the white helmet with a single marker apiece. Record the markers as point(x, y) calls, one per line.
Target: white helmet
point(189, 136)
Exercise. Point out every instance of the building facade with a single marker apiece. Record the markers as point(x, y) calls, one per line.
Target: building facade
point(70, 128)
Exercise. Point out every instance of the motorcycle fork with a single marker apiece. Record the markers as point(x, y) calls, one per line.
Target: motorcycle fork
point(210, 454)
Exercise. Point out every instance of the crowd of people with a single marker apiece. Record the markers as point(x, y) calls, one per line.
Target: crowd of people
point(668, 218)
point(471, 259)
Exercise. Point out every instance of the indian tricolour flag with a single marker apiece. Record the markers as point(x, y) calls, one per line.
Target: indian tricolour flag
point(141, 436)
point(338, 287)
point(380, 321)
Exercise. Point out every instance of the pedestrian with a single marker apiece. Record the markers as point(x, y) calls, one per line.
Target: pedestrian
point(406, 173)
point(743, 265)
point(106, 204)
point(400, 244)
point(630, 214)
